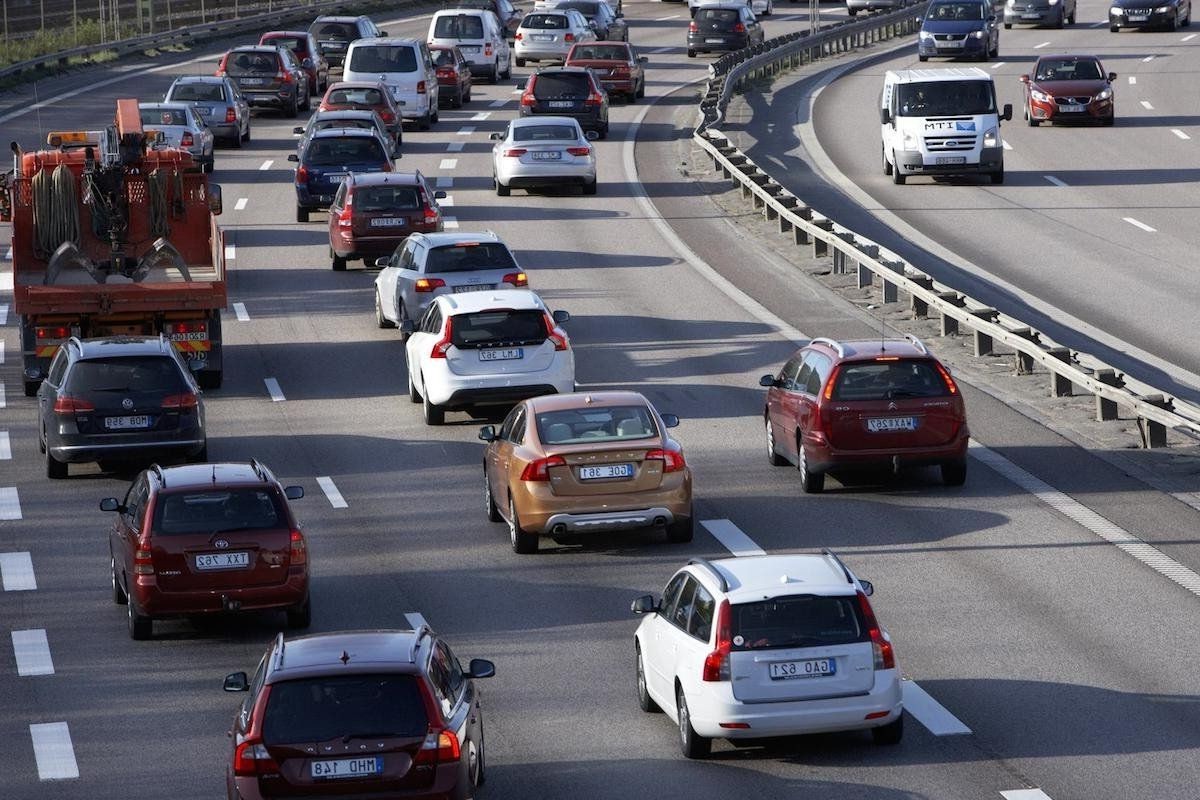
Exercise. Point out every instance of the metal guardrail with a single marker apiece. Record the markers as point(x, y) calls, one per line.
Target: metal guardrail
point(1155, 410)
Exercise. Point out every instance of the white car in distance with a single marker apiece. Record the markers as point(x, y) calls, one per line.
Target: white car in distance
point(537, 152)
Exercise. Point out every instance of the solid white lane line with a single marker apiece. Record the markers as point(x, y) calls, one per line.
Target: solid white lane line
point(664, 19)
point(230, 252)
point(450, 223)
point(1188, 38)
point(1089, 519)
point(8, 254)
point(498, 103)
point(240, 310)
point(1146, 105)
point(998, 64)
point(10, 503)
point(447, 201)
point(3, 397)
point(53, 751)
point(732, 538)
point(1141, 225)
point(415, 619)
point(32, 652)
point(1132, 80)
point(1040, 46)
point(1025, 794)
point(1180, 134)
point(1, 351)
point(444, 182)
point(481, 116)
point(274, 390)
point(455, 147)
point(266, 164)
point(240, 205)
point(448, 163)
point(3, 313)
point(1055, 180)
point(16, 572)
point(1147, 59)
point(331, 492)
point(466, 130)
point(5, 446)
point(929, 712)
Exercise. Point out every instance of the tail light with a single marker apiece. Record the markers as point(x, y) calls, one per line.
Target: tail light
point(230, 115)
point(556, 334)
point(250, 758)
point(299, 549)
point(716, 663)
point(539, 469)
point(829, 384)
point(594, 99)
point(516, 152)
point(517, 279)
point(739, 28)
point(57, 332)
point(693, 27)
point(302, 174)
point(428, 284)
point(443, 344)
point(66, 404)
point(220, 73)
point(143, 559)
point(527, 99)
point(672, 459)
point(951, 386)
point(431, 216)
point(186, 327)
point(284, 77)
point(440, 746)
point(570, 37)
point(346, 217)
point(387, 116)
point(186, 140)
point(881, 645)
point(579, 151)
point(420, 87)
point(445, 72)
point(487, 48)
point(180, 402)
point(519, 36)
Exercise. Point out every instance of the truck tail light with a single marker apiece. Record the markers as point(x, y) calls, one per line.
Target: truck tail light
point(672, 459)
point(428, 284)
point(716, 663)
point(55, 332)
point(881, 644)
point(185, 327)
point(66, 404)
point(539, 469)
point(517, 279)
point(447, 340)
point(299, 549)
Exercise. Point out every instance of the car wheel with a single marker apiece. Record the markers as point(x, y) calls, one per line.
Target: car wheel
point(641, 90)
point(645, 701)
point(922, 58)
point(207, 166)
point(307, 102)
point(1062, 19)
point(118, 594)
point(467, 95)
point(681, 531)
point(413, 395)
point(590, 187)
point(522, 541)
point(954, 473)
point(691, 53)
point(494, 75)
point(434, 116)
point(887, 165)
point(501, 189)
point(201, 456)
point(997, 177)
point(380, 320)
point(898, 177)
point(339, 263)
point(293, 109)
point(891, 733)
point(425, 121)
point(236, 141)
point(691, 743)
point(1033, 121)
point(1108, 121)
point(140, 627)
point(31, 388)
point(300, 616)
point(301, 214)
point(773, 456)
point(434, 414)
point(1008, 26)
point(457, 100)
point(246, 135)
point(811, 481)
point(1173, 25)
point(55, 469)
point(1071, 16)
point(520, 62)
point(852, 12)
point(1114, 29)
point(507, 70)
point(489, 500)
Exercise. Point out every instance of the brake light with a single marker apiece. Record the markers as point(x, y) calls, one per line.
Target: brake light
point(527, 99)
point(143, 559)
point(251, 758)
point(284, 77)
point(420, 87)
point(881, 644)
point(387, 116)
point(220, 73)
point(299, 552)
point(828, 393)
point(179, 402)
point(716, 663)
point(539, 469)
point(579, 151)
point(693, 27)
point(66, 404)
point(487, 48)
point(556, 334)
point(739, 28)
point(515, 152)
point(431, 216)
point(951, 386)
point(594, 99)
point(428, 284)
point(570, 37)
point(186, 327)
point(346, 217)
point(672, 459)
point(445, 72)
point(440, 746)
point(517, 279)
point(58, 332)
point(302, 174)
point(443, 344)
point(186, 140)
point(519, 36)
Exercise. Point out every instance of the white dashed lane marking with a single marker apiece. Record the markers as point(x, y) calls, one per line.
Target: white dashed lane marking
point(1146, 105)
point(230, 252)
point(16, 572)
point(10, 503)
point(5, 446)
point(3, 396)
point(998, 64)
point(1188, 38)
point(274, 390)
point(1055, 180)
point(1147, 59)
point(1135, 223)
point(266, 164)
point(732, 538)
point(498, 103)
point(455, 147)
point(240, 310)
point(1180, 134)
point(448, 163)
point(6, 281)
point(664, 19)
point(1132, 80)
point(331, 492)
point(53, 751)
point(481, 116)
point(1006, 145)
point(32, 652)
point(1040, 46)
point(8, 254)
point(240, 205)
point(3, 313)
point(447, 201)
point(466, 130)
point(1, 351)
point(450, 223)
point(1025, 794)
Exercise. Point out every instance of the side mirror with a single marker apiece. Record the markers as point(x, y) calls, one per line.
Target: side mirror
point(236, 682)
point(214, 199)
point(867, 587)
point(644, 59)
point(293, 492)
point(561, 316)
point(1112, 76)
point(885, 116)
point(110, 504)
point(383, 262)
point(767, 381)
point(591, 136)
point(992, 20)
point(487, 433)
point(643, 605)
point(439, 194)
point(293, 157)
point(1023, 79)
point(496, 137)
point(308, 62)
point(481, 668)
point(1007, 115)
point(408, 326)
point(670, 420)
point(298, 129)
point(383, 33)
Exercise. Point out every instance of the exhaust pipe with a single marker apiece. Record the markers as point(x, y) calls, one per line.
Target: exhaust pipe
point(660, 521)
point(230, 604)
point(558, 530)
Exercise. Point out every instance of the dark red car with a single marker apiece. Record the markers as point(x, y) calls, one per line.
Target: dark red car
point(1065, 88)
point(205, 539)
point(865, 404)
point(618, 66)
point(373, 213)
point(345, 95)
point(453, 75)
point(304, 47)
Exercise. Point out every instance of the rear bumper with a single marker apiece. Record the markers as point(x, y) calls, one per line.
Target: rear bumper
point(701, 43)
point(541, 510)
point(524, 175)
point(367, 248)
point(607, 521)
point(498, 395)
point(154, 602)
point(453, 391)
point(823, 458)
point(270, 99)
point(78, 450)
point(540, 54)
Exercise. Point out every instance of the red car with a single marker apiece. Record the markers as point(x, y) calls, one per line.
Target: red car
point(345, 95)
point(453, 74)
point(865, 404)
point(1064, 88)
point(304, 47)
point(617, 65)
point(206, 539)
point(374, 212)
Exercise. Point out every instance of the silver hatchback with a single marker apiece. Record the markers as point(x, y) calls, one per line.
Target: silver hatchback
point(182, 128)
point(550, 35)
point(222, 107)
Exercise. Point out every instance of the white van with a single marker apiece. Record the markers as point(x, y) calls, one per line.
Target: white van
point(941, 122)
point(404, 66)
point(478, 34)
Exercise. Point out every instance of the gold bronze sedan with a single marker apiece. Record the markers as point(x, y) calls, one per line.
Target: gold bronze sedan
point(567, 465)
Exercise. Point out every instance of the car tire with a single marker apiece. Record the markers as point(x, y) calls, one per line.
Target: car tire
point(380, 320)
point(523, 542)
point(457, 100)
point(520, 62)
point(300, 616)
point(1008, 26)
point(1173, 25)
point(691, 743)
point(201, 456)
point(887, 165)
point(852, 12)
point(590, 188)
point(118, 594)
point(236, 141)
point(644, 700)
point(425, 121)
point(489, 500)
point(1061, 22)
point(997, 177)
point(501, 189)
point(433, 413)
point(1033, 122)
point(773, 456)
point(898, 177)
point(338, 263)
point(1109, 121)
point(891, 733)
point(414, 396)
point(301, 214)
point(922, 59)
point(1071, 17)
point(682, 531)
point(140, 627)
point(811, 481)
point(55, 469)
point(293, 109)
point(494, 74)
point(246, 135)
point(31, 388)
point(434, 117)
point(641, 90)
point(954, 473)
point(691, 53)
point(603, 132)
point(207, 166)
point(467, 96)
point(1114, 29)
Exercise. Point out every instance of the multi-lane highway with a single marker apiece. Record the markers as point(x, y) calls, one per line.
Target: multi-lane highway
point(1040, 654)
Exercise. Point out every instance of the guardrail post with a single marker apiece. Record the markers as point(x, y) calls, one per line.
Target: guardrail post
point(1060, 385)
point(891, 290)
point(1023, 364)
point(983, 342)
point(1154, 434)
point(1106, 410)
point(820, 247)
point(866, 275)
point(949, 324)
point(920, 309)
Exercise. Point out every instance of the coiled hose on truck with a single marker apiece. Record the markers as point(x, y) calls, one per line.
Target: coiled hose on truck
point(55, 210)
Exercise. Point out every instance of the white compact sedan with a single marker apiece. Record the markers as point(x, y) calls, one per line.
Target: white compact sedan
point(181, 127)
point(537, 152)
point(761, 646)
point(486, 349)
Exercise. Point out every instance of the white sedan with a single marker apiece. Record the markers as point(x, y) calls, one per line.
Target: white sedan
point(543, 151)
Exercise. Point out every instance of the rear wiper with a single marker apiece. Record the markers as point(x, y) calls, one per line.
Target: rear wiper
point(379, 735)
point(111, 389)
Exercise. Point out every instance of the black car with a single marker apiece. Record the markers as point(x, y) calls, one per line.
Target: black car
point(568, 92)
point(268, 76)
point(1169, 14)
point(119, 398)
point(722, 26)
point(328, 156)
point(334, 35)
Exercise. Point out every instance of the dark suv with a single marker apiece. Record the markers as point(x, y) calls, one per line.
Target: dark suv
point(268, 76)
point(568, 92)
point(721, 27)
point(372, 215)
point(118, 398)
point(861, 404)
point(358, 713)
point(328, 157)
point(206, 539)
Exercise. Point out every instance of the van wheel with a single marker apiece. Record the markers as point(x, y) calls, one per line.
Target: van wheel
point(887, 165)
point(1114, 29)
point(523, 542)
point(811, 481)
point(954, 473)
point(434, 116)
point(898, 177)
point(494, 75)
point(425, 122)
point(891, 733)
point(998, 177)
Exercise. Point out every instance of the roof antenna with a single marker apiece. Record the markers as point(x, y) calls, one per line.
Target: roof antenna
point(214, 473)
point(882, 326)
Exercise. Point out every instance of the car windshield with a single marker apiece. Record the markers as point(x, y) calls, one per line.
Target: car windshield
point(500, 327)
point(955, 11)
point(255, 63)
point(387, 198)
point(443, 58)
point(561, 85)
point(190, 92)
point(217, 511)
point(459, 26)
point(356, 150)
point(342, 707)
point(355, 97)
point(718, 15)
point(545, 22)
point(384, 58)
point(889, 380)
point(797, 621)
point(152, 117)
point(595, 425)
point(1068, 71)
point(945, 98)
point(601, 52)
point(543, 133)
point(468, 256)
point(297, 44)
point(336, 31)
point(129, 374)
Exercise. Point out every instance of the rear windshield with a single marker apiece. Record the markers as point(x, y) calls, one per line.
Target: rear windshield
point(187, 92)
point(543, 133)
point(335, 707)
point(545, 21)
point(464, 258)
point(443, 58)
point(491, 328)
point(355, 97)
point(567, 85)
point(343, 31)
point(955, 11)
point(252, 63)
point(602, 52)
point(356, 150)
point(723, 15)
point(164, 116)
point(384, 58)
point(133, 373)
point(387, 198)
point(364, 124)
point(583, 426)
point(217, 511)
point(797, 621)
point(588, 9)
point(889, 380)
point(461, 26)
point(945, 98)
point(297, 44)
